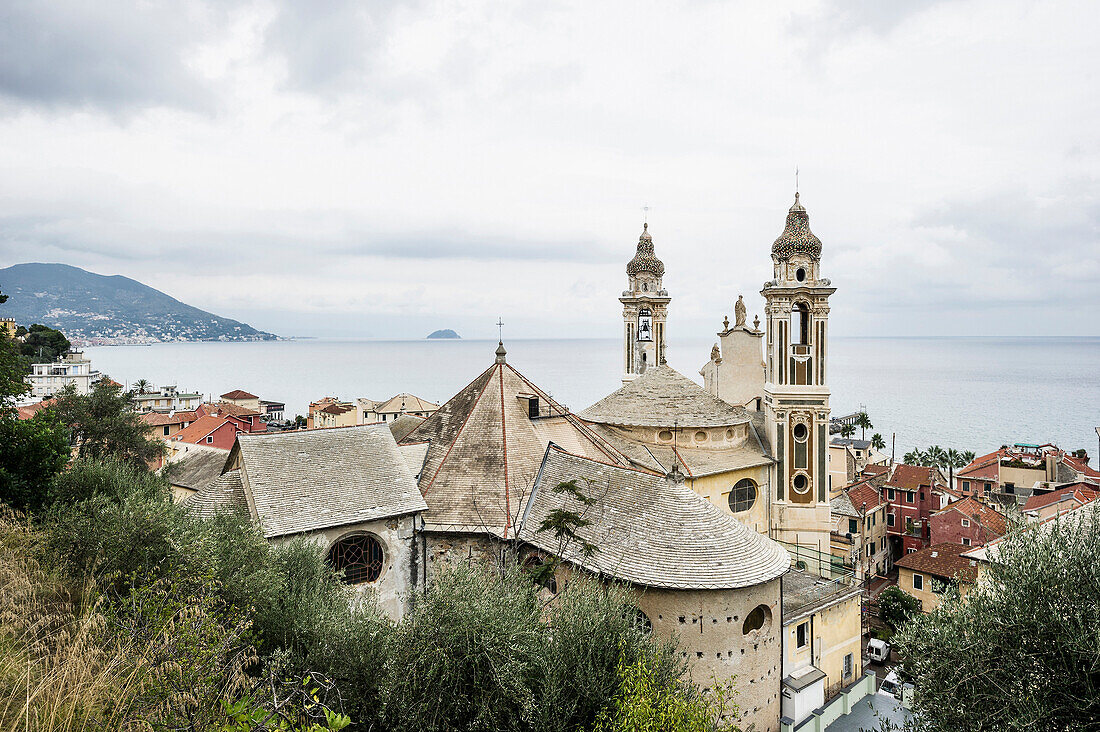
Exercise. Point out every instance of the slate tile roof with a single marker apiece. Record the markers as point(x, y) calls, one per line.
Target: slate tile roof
point(484, 450)
point(307, 480)
point(842, 506)
point(224, 495)
point(403, 425)
point(649, 531)
point(197, 470)
point(942, 560)
point(981, 514)
point(662, 397)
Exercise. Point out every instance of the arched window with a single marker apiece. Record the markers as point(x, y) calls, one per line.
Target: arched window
point(743, 495)
point(358, 556)
point(800, 324)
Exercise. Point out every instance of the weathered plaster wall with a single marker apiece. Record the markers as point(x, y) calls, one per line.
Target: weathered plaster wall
point(393, 585)
point(716, 489)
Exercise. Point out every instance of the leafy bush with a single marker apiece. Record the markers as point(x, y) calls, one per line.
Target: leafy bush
point(896, 607)
point(1022, 650)
point(34, 451)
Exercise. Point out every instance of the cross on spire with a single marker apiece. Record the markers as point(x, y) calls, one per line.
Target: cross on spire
point(645, 214)
point(500, 329)
point(796, 179)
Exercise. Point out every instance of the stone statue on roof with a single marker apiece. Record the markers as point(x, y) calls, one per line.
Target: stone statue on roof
point(739, 312)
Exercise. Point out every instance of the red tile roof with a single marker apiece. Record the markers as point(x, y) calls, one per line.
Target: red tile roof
point(233, 410)
point(239, 394)
point(199, 429)
point(1081, 492)
point(978, 512)
point(941, 560)
point(156, 419)
point(32, 409)
point(910, 477)
point(1080, 466)
point(864, 493)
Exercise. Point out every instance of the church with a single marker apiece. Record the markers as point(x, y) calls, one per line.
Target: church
point(694, 495)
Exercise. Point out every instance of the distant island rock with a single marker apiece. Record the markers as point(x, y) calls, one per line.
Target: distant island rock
point(98, 310)
point(445, 333)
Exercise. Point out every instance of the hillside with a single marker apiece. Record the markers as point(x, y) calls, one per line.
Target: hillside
point(93, 308)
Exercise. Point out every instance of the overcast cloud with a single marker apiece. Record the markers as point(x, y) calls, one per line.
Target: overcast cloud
point(376, 168)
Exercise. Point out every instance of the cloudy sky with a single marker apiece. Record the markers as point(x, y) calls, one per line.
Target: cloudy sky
point(351, 168)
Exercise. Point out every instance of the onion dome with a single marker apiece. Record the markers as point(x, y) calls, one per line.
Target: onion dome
point(645, 260)
point(796, 237)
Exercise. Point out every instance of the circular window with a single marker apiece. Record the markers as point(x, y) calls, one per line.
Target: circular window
point(700, 436)
point(665, 435)
point(729, 434)
point(359, 557)
point(800, 275)
point(800, 432)
point(743, 495)
point(801, 484)
point(641, 621)
point(756, 620)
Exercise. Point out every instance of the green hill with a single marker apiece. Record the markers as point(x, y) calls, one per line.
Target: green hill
point(94, 308)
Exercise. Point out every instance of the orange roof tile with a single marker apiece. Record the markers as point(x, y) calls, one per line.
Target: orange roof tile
point(910, 477)
point(980, 513)
point(864, 497)
point(239, 394)
point(199, 429)
point(30, 410)
point(941, 560)
point(157, 419)
point(1081, 492)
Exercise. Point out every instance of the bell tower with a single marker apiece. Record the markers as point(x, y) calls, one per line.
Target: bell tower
point(645, 305)
point(796, 391)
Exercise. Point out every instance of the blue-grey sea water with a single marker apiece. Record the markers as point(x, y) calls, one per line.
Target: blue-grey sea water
point(969, 393)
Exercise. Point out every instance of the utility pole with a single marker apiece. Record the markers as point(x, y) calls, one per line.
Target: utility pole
point(893, 444)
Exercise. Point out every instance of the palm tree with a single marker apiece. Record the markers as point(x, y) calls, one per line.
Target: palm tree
point(141, 385)
point(847, 430)
point(877, 442)
point(968, 457)
point(956, 459)
point(864, 423)
point(936, 457)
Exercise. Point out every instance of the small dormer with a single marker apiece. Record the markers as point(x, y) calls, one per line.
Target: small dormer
point(533, 406)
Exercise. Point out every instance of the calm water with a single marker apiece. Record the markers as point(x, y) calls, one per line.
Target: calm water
point(969, 393)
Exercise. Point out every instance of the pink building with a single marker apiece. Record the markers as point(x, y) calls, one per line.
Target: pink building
point(968, 522)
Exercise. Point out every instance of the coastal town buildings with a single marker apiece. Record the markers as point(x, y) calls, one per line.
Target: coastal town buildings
point(822, 642)
point(330, 412)
point(848, 458)
point(241, 398)
point(8, 327)
point(913, 492)
point(927, 574)
point(244, 419)
point(369, 411)
point(1022, 470)
point(206, 431)
point(967, 521)
point(1043, 506)
point(165, 399)
point(47, 379)
point(859, 541)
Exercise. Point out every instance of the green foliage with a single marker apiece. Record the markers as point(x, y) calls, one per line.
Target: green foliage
point(34, 452)
point(864, 423)
point(110, 478)
point(12, 384)
point(104, 425)
point(878, 442)
point(847, 430)
point(43, 344)
point(1022, 650)
point(896, 607)
point(644, 704)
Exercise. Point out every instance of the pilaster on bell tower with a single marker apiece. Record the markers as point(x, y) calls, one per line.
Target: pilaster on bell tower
point(796, 392)
point(645, 306)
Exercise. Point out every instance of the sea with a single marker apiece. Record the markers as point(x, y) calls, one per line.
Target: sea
point(967, 393)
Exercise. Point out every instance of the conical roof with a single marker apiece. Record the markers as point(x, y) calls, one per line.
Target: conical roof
point(648, 529)
point(484, 450)
point(645, 260)
point(663, 397)
point(797, 237)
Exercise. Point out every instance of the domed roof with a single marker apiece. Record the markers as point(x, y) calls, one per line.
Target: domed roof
point(645, 260)
point(797, 237)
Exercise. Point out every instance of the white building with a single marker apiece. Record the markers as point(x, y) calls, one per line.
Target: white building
point(166, 399)
point(47, 379)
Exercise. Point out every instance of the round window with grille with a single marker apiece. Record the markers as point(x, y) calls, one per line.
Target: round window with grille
point(359, 557)
point(743, 495)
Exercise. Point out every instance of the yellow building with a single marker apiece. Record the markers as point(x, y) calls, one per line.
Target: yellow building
point(928, 574)
point(822, 641)
point(8, 326)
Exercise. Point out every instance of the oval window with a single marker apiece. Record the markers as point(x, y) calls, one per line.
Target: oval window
point(801, 484)
point(756, 620)
point(665, 435)
point(800, 275)
point(729, 434)
point(743, 495)
point(700, 436)
point(800, 432)
point(358, 557)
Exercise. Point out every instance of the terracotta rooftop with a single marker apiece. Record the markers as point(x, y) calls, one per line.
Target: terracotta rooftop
point(662, 397)
point(32, 409)
point(199, 429)
point(910, 477)
point(233, 410)
point(239, 394)
point(979, 513)
point(1080, 492)
point(941, 560)
point(157, 419)
point(864, 496)
point(648, 529)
